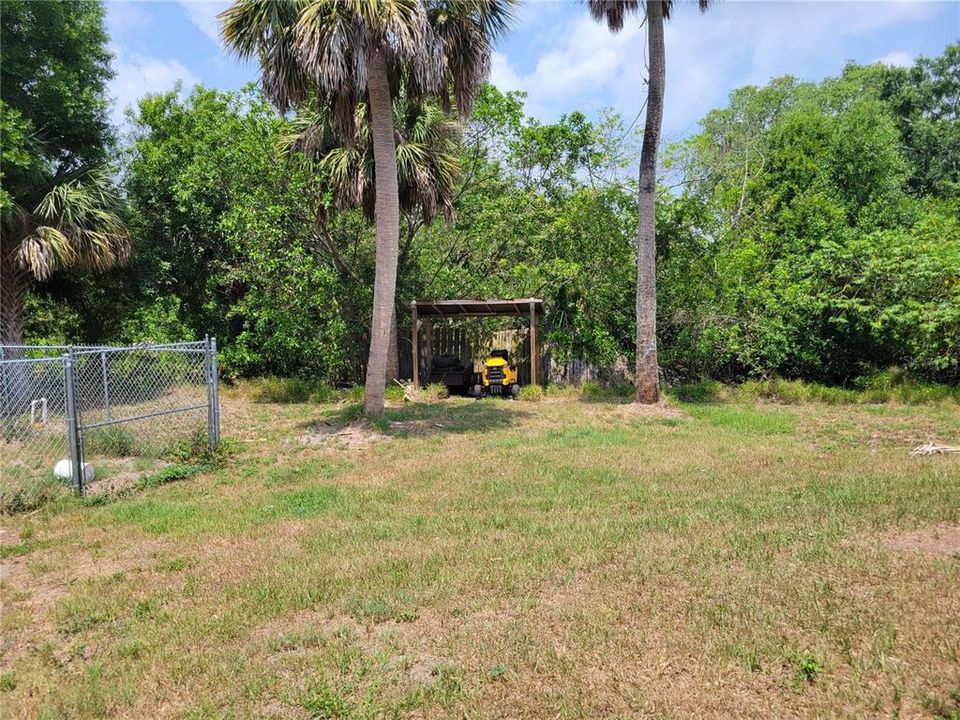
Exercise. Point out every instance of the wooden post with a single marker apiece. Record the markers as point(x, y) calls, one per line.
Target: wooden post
point(534, 355)
point(414, 338)
point(428, 346)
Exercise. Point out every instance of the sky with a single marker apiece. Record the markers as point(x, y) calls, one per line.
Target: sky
point(565, 61)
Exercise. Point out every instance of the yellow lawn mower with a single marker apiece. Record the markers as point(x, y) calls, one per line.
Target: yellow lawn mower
point(498, 377)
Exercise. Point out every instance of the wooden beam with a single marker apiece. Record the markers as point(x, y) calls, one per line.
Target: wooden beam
point(534, 354)
point(428, 346)
point(415, 337)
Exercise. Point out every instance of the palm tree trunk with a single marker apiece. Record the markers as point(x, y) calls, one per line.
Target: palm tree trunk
point(393, 351)
point(647, 380)
point(14, 283)
point(388, 228)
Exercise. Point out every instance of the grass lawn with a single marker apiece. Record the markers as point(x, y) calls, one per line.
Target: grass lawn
point(565, 559)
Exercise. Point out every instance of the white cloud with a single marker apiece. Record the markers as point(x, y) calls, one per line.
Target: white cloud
point(581, 65)
point(897, 58)
point(124, 18)
point(138, 75)
point(502, 75)
point(203, 14)
point(586, 60)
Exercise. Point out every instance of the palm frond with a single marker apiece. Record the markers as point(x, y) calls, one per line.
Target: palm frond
point(264, 29)
point(77, 223)
point(614, 12)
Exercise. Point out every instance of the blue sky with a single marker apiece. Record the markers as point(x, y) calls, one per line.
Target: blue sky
point(565, 61)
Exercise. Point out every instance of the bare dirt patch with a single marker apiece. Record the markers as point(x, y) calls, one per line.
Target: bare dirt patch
point(942, 539)
point(350, 437)
point(8, 537)
point(122, 477)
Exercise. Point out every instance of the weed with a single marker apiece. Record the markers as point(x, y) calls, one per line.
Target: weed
point(748, 656)
point(129, 648)
point(345, 414)
point(808, 666)
point(436, 391)
point(352, 394)
point(110, 441)
point(147, 609)
point(497, 672)
point(195, 449)
point(531, 393)
point(8, 681)
point(323, 701)
point(24, 495)
point(702, 392)
point(297, 641)
point(377, 610)
point(174, 565)
point(171, 473)
point(394, 393)
point(18, 550)
point(79, 616)
point(882, 388)
point(944, 709)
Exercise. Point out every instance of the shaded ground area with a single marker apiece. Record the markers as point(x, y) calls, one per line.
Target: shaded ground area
point(497, 559)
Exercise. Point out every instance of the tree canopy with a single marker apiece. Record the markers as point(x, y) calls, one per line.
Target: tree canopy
point(812, 230)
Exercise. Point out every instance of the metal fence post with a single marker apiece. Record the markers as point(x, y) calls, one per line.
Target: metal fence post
point(7, 405)
point(215, 380)
point(73, 421)
point(206, 380)
point(106, 391)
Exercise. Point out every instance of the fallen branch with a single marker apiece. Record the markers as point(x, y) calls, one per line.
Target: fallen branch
point(932, 449)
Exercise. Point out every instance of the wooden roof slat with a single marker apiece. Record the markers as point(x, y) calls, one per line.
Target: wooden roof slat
point(479, 308)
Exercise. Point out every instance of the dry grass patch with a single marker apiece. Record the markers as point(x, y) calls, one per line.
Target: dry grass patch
point(941, 539)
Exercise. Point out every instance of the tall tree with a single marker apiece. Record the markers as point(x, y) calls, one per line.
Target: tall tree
point(656, 11)
point(57, 205)
point(349, 50)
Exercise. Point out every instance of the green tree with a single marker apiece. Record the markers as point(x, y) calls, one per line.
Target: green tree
point(924, 99)
point(781, 255)
point(57, 205)
point(346, 50)
point(228, 239)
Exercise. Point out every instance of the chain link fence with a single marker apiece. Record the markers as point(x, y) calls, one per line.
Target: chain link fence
point(84, 415)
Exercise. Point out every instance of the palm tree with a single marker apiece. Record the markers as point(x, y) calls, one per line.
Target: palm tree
point(615, 12)
point(428, 165)
point(72, 221)
point(347, 50)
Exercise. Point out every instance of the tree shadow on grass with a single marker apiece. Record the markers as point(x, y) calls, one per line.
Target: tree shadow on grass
point(450, 416)
point(606, 394)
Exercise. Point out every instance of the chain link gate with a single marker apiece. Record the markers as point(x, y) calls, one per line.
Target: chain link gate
point(118, 411)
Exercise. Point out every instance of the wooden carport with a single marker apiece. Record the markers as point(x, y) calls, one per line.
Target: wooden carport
point(525, 307)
